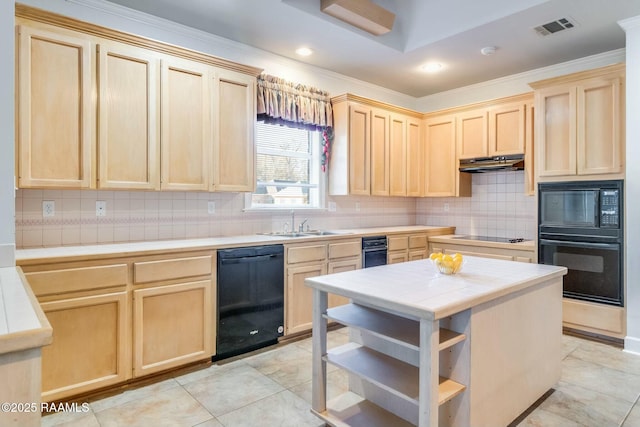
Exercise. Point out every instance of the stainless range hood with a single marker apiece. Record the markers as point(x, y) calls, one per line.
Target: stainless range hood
point(490, 164)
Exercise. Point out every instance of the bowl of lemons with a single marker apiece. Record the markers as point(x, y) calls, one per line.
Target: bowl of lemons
point(447, 264)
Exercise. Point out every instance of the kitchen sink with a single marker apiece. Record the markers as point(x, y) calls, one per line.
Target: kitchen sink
point(302, 233)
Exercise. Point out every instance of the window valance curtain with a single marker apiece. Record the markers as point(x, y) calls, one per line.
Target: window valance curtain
point(291, 104)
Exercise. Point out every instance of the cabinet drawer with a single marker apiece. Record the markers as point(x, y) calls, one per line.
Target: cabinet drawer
point(77, 279)
point(416, 242)
point(306, 253)
point(345, 249)
point(397, 243)
point(167, 269)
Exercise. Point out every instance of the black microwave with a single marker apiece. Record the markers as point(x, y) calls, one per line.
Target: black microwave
point(581, 207)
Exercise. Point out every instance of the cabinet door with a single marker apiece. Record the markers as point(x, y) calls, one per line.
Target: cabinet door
point(171, 326)
point(128, 131)
point(234, 153)
point(507, 130)
point(556, 131)
point(91, 345)
point(54, 110)
point(339, 267)
point(598, 121)
point(472, 134)
point(440, 179)
point(379, 153)
point(359, 150)
point(397, 257)
point(186, 125)
point(398, 155)
point(415, 160)
point(300, 297)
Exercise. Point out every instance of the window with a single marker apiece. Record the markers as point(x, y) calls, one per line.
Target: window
point(287, 168)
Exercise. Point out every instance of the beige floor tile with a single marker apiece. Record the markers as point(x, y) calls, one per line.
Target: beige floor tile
point(132, 394)
point(569, 344)
point(633, 418)
point(586, 407)
point(71, 419)
point(607, 355)
point(542, 418)
point(595, 377)
point(232, 389)
point(206, 372)
point(337, 383)
point(282, 409)
point(173, 407)
point(288, 366)
point(209, 423)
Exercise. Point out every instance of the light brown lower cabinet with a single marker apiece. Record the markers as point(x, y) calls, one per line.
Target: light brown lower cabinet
point(118, 319)
point(311, 259)
point(520, 255)
point(406, 247)
point(90, 346)
point(171, 326)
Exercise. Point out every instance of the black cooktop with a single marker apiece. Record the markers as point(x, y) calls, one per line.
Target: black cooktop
point(493, 239)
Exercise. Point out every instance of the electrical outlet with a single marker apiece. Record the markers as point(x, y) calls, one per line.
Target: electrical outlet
point(357, 206)
point(48, 208)
point(101, 208)
point(446, 207)
point(211, 207)
point(332, 206)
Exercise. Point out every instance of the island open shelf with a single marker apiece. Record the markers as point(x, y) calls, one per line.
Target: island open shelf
point(434, 350)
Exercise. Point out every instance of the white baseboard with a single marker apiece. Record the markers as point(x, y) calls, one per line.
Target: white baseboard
point(632, 345)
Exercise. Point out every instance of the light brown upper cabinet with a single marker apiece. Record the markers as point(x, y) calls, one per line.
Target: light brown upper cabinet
point(128, 117)
point(579, 124)
point(380, 152)
point(398, 155)
point(186, 136)
point(497, 130)
point(442, 178)
point(472, 134)
point(234, 119)
point(415, 159)
point(98, 108)
point(54, 110)
point(371, 146)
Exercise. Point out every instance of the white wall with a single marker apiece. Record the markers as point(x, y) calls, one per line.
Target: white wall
point(7, 205)
point(514, 84)
point(632, 185)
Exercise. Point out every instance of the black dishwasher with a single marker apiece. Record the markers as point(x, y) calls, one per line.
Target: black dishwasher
point(250, 296)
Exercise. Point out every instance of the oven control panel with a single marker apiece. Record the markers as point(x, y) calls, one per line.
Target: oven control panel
point(609, 209)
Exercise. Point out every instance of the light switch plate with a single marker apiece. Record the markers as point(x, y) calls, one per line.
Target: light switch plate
point(332, 206)
point(48, 208)
point(211, 207)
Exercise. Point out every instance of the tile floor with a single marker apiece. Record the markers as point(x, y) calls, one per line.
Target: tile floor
point(600, 387)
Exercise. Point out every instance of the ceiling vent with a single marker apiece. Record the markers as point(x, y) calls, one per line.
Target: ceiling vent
point(554, 27)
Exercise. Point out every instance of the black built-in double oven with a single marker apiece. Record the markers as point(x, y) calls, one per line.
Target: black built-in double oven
point(580, 226)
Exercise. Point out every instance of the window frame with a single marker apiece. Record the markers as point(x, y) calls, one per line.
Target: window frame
point(315, 167)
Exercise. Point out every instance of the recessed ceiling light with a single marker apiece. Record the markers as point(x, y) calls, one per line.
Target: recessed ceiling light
point(432, 67)
point(304, 51)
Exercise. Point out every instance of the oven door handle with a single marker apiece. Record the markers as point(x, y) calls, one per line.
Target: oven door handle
point(612, 246)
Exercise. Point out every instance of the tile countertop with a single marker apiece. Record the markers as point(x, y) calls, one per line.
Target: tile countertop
point(527, 245)
point(23, 325)
point(70, 253)
point(419, 290)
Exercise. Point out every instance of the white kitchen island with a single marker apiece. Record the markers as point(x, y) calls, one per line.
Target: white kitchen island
point(474, 349)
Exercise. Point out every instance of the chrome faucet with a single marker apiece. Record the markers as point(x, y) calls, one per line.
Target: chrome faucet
point(301, 226)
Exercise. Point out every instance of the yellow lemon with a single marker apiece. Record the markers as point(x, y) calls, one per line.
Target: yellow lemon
point(435, 255)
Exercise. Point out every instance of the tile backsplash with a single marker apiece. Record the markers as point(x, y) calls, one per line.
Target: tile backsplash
point(498, 207)
point(139, 215)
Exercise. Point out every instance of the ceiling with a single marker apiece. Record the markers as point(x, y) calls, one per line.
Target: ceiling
point(451, 32)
